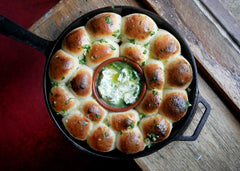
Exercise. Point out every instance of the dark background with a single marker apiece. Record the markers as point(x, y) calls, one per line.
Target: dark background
point(28, 137)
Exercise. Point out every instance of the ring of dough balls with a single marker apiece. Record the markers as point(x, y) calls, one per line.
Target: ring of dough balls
point(167, 73)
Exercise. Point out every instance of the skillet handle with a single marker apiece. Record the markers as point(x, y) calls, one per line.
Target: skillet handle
point(15, 31)
point(201, 122)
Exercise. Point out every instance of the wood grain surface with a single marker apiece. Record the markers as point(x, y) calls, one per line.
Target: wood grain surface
point(225, 18)
point(217, 147)
point(216, 54)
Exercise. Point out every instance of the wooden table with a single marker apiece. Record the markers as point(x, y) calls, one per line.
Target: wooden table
point(216, 49)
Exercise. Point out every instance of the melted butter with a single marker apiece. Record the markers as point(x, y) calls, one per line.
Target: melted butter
point(119, 84)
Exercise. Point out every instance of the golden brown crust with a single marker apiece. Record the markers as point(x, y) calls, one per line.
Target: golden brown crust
point(78, 126)
point(102, 139)
point(103, 24)
point(164, 46)
point(174, 105)
point(99, 53)
point(151, 102)
point(75, 40)
point(156, 128)
point(131, 142)
point(138, 26)
point(93, 111)
point(60, 100)
point(179, 73)
point(134, 54)
point(123, 121)
point(60, 65)
point(81, 83)
point(154, 76)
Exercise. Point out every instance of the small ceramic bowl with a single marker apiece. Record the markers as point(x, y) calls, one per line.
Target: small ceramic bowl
point(94, 85)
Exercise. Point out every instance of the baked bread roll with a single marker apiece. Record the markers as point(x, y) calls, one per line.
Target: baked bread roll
point(61, 66)
point(122, 121)
point(105, 26)
point(100, 52)
point(81, 83)
point(77, 125)
point(130, 141)
point(155, 128)
point(102, 138)
point(92, 110)
point(164, 46)
point(150, 102)
point(178, 73)
point(138, 28)
point(75, 42)
point(61, 99)
point(174, 104)
point(137, 53)
point(154, 74)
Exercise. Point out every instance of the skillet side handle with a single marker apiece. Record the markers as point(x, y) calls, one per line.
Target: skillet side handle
point(15, 31)
point(201, 122)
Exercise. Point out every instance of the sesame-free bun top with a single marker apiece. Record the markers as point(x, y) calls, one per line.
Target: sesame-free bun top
point(150, 102)
point(123, 121)
point(130, 141)
point(154, 74)
point(178, 73)
point(100, 51)
point(81, 82)
point(61, 99)
point(174, 104)
point(61, 66)
point(102, 138)
point(75, 41)
point(136, 53)
point(77, 125)
point(105, 26)
point(164, 45)
point(138, 28)
point(92, 110)
point(156, 128)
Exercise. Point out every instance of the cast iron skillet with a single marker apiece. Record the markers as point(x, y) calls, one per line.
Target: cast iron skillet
point(16, 32)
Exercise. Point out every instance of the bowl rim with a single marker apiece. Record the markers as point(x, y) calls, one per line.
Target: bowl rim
point(94, 84)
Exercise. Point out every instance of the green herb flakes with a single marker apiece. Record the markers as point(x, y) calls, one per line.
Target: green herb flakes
point(108, 19)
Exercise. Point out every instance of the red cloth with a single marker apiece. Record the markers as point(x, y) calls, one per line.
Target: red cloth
point(28, 137)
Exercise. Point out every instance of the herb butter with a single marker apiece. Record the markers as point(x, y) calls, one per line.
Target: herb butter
point(119, 84)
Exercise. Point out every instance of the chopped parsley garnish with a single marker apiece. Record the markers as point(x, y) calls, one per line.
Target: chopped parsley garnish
point(63, 111)
point(132, 41)
point(141, 22)
point(162, 50)
point(54, 104)
point(188, 104)
point(54, 84)
point(154, 92)
point(63, 78)
point(145, 52)
point(115, 34)
point(98, 116)
point(103, 41)
point(107, 134)
point(146, 45)
point(143, 63)
point(154, 79)
point(67, 101)
point(87, 47)
point(112, 47)
point(152, 33)
point(95, 31)
point(108, 19)
point(121, 133)
point(132, 125)
point(142, 115)
point(94, 57)
point(85, 123)
point(107, 122)
point(83, 60)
